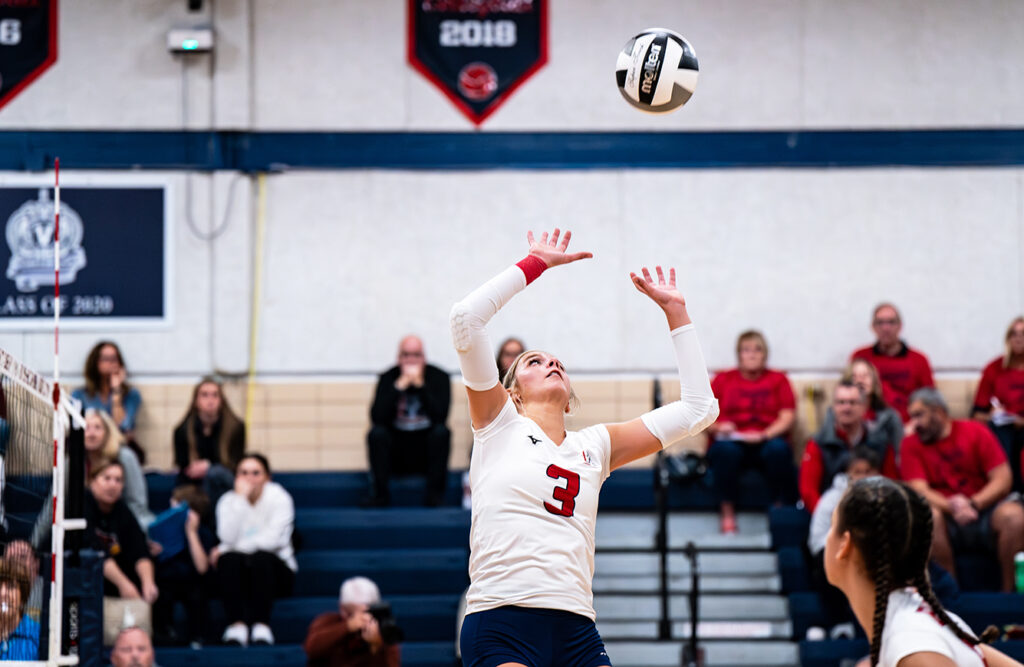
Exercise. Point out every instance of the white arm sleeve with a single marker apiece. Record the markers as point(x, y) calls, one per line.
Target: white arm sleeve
point(468, 320)
point(697, 407)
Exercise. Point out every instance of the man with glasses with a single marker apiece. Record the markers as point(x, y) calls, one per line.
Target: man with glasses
point(828, 452)
point(409, 434)
point(902, 369)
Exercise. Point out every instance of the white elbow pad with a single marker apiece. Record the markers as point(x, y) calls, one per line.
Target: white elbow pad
point(675, 421)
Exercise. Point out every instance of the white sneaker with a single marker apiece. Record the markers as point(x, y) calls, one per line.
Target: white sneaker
point(815, 633)
point(841, 631)
point(236, 634)
point(261, 634)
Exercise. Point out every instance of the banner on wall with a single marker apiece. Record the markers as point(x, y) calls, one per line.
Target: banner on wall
point(478, 51)
point(114, 246)
point(28, 43)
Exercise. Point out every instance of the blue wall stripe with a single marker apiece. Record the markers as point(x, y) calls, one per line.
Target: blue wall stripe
point(256, 151)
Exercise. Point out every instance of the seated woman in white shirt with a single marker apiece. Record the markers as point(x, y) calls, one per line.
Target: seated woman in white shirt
point(255, 560)
point(877, 553)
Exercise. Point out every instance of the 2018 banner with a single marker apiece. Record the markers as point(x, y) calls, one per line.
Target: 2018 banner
point(28, 43)
point(114, 247)
point(478, 51)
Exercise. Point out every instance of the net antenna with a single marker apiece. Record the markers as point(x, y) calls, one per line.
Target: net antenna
point(62, 412)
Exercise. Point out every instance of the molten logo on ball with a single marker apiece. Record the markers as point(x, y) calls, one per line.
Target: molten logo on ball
point(478, 81)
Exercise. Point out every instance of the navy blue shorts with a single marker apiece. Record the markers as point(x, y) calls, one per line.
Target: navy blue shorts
point(532, 637)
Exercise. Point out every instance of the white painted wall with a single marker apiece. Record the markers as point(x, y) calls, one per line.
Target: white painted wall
point(341, 64)
point(354, 260)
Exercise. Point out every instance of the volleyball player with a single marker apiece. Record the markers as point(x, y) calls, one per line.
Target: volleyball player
point(535, 486)
point(877, 554)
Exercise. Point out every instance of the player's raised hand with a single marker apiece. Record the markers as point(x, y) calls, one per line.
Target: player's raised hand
point(665, 294)
point(551, 251)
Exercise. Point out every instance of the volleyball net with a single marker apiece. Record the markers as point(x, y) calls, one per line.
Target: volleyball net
point(34, 420)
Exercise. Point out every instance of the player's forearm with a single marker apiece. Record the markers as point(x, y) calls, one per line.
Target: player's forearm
point(469, 318)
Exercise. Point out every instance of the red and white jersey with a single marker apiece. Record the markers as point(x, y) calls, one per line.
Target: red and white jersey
point(911, 627)
point(534, 514)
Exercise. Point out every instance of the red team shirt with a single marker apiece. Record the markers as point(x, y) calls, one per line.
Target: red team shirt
point(957, 464)
point(812, 469)
point(1005, 384)
point(900, 375)
point(752, 404)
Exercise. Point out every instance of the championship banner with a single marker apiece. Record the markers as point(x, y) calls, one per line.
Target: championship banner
point(28, 43)
point(478, 51)
point(114, 257)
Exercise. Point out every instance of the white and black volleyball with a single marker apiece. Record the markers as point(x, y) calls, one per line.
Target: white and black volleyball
point(657, 71)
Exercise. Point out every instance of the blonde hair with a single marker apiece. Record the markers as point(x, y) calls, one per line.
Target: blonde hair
point(1008, 353)
point(512, 375)
point(114, 440)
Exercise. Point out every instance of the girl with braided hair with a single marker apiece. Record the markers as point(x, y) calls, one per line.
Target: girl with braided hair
point(877, 553)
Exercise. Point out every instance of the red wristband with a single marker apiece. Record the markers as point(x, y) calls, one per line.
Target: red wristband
point(532, 267)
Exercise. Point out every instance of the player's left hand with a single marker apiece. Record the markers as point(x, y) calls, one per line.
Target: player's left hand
point(666, 295)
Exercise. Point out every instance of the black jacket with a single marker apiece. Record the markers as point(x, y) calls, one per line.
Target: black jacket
point(435, 395)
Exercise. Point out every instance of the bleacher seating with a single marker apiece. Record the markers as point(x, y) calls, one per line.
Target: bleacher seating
point(978, 605)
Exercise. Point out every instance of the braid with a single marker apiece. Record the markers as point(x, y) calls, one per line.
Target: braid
point(883, 580)
point(918, 559)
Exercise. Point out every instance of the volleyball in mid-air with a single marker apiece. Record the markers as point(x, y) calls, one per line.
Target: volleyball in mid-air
point(657, 71)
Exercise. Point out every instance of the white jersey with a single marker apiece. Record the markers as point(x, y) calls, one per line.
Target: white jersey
point(911, 627)
point(534, 513)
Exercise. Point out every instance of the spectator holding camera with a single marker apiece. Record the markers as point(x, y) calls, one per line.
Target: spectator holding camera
point(351, 637)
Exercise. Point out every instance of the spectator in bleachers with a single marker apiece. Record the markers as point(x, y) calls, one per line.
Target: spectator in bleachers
point(959, 467)
point(107, 389)
point(22, 552)
point(209, 441)
point(901, 368)
point(509, 349)
point(104, 443)
point(255, 560)
point(132, 648)
point(183, 576)
point(863, 462)
point(112, 529)
point(999, 401)
point(351, 636)
point(828, 452)
point(757, 412)
point(19, 632)
point(880, 414)
point(409, 434)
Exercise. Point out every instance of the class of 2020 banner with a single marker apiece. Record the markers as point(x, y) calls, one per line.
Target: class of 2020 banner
point(478, 51)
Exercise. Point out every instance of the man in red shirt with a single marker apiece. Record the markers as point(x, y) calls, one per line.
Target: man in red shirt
point(828, 452)
point(901, 368)
point(960, 468)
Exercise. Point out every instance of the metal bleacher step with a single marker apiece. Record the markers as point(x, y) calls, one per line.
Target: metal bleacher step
point(710, 564)
point(634, 630)
point(723, 653)
point(680, 583)
point(710, 607)
point(620, 530)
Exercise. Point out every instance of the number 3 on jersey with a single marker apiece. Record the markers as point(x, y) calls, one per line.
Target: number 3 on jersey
point(564, 494)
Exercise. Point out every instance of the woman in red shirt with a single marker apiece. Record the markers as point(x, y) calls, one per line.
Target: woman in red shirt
point(999, 401)
point(757, 411)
